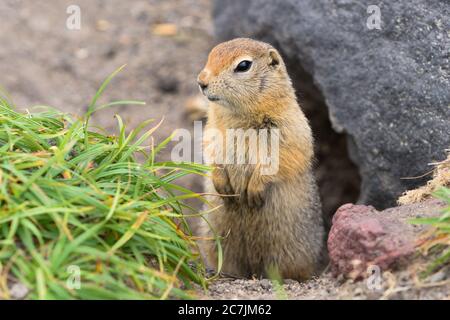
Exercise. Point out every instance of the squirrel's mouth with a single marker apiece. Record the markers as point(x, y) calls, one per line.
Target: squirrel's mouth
point(212, 98)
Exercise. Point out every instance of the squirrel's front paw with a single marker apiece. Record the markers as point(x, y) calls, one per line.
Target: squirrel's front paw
point(222, 184)
point(255, 196)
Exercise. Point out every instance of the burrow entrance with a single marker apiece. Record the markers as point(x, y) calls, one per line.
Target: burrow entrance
point(337, 176)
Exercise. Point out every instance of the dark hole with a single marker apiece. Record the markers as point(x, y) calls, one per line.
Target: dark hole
point(337, 176)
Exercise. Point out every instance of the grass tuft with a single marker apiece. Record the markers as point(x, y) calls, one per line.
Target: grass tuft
point(77, 205)
point(437, 240)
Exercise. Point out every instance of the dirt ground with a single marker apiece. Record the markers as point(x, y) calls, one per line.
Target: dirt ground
point(164, 44)
point(406, 279)
point(399, 285)
point(42, 62)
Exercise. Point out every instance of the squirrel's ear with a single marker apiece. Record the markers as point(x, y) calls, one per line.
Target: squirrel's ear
point(275, 58)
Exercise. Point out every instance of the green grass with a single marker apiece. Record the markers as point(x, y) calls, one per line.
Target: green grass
point(439, 241)
point(74, 198)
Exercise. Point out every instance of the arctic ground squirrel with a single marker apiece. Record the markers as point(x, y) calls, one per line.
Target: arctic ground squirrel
point(268, 221)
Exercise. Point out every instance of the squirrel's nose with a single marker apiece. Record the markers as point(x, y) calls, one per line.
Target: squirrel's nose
point(202, 85)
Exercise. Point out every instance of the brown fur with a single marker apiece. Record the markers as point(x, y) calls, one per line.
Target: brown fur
point(267, 221)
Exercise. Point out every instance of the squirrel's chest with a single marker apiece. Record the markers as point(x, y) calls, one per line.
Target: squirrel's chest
point(238, 146)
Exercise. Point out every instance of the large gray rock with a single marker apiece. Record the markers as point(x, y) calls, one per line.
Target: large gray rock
point(387, 89)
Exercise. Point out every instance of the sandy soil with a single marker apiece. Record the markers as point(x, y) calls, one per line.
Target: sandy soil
point(42, 62)
point(403, 284)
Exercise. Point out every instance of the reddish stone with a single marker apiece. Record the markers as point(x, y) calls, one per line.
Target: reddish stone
point(362, 236)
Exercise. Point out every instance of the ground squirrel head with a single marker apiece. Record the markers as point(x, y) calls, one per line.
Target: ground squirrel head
point(242, 71)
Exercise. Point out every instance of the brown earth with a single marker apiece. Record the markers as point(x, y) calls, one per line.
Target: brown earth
point(397, 285)
point(42, 62)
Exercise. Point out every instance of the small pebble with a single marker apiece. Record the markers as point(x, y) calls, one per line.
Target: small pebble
point(18, 291)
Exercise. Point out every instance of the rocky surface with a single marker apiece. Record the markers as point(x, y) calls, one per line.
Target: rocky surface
point(362, 237)
point(387, 89)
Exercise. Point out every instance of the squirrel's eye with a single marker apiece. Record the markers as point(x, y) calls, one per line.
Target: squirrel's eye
point(243, 66)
